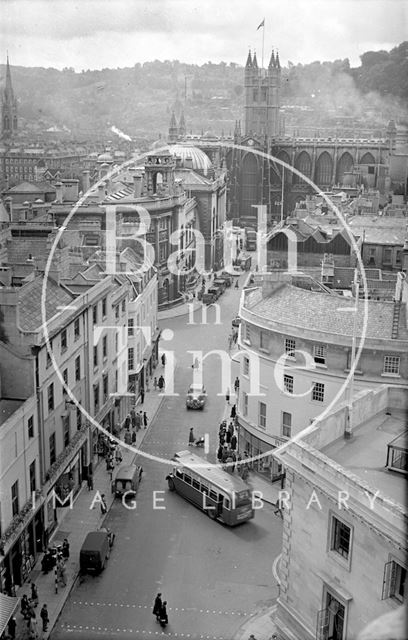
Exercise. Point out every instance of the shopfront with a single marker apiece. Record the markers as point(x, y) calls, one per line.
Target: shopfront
point(256, 444)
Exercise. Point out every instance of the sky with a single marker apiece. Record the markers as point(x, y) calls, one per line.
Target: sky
point(95, 34)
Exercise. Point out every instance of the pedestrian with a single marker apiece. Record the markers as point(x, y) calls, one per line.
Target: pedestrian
point(228, 437)
point(163, 613)
point(233, 411)
point(236, 385)
point(227, 396)
point(133, 417)
point(233, 442)
point(191, 438)
point(65, 548)
point(44, 617)
point(133, 436)
point(128, 437)
point(157, 606)
point(161, 383)
point(142, 395)
point(222, 438)
point(236, 284)
point(56, 581)
point(118, 455)
point(89, 481)
point(231, 428)
point(25, 605)
point(104, 507)
point(62, 573)
point(127, 421)
point(34, 595)
point(234, 459)
point(32, 627)
point(138, 422)
point(145, 419)
point(163, 360)
point(11, 628)
point(220, 451)
point(155, 384)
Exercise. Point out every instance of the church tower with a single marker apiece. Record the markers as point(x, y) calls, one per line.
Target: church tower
point(262, 97)
point(8, 107)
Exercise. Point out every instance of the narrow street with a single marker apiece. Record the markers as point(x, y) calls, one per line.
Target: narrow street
point(212, 576)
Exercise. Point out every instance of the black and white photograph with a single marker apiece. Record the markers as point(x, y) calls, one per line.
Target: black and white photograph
point(203, 319)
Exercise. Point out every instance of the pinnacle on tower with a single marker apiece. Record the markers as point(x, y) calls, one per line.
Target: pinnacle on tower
point(249, 59)
point(173, 129)
point(182, 126)
point(277, 61)
point(272, 61)
point(254, 61)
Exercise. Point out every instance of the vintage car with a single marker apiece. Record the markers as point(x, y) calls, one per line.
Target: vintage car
point(196, 396)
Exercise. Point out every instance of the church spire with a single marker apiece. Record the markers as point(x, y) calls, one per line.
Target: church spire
point(254, 61)
point(182, 126)
point(8, 106)
point(277, 61)
point(173, 129)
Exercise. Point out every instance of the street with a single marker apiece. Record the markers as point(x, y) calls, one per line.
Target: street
point(213, 577)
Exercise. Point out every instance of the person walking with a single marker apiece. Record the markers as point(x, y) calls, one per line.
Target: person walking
point(104, 506)
point(44, 617)
point(65, 548)
point(236, 385)
point(142, 395)
point(89, 481)
point(157, 606)
point(155, 384)
point(145, 419)
point(34, 595)
point(233, 442)
point(227, 396)
point(163, 360)
point(233, 411)
point(25, 605)
point(138, 421)
point(236, 284)
point(220, 452)
point(191, 438)
point(118, 455)
point(164, 619)
point(133, 436)
point(32, 627)
point(161, 383)
point(127, 421)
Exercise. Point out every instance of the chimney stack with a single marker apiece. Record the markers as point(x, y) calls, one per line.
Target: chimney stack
point(101, 192)
point(137, 183)
point(86, 183)
point(59, 192)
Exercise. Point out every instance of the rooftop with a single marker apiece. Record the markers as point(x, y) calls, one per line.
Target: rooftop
point(324, 312)
point(365, 454)
point(30, 299)
point(7, 408)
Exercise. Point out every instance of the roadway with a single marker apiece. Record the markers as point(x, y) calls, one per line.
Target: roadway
point(212, 576)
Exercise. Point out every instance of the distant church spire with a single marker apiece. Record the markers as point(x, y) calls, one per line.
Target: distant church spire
point(8, 106)
point(249, 59)
point(182, 126)
point(173, 129)
point(254, 61)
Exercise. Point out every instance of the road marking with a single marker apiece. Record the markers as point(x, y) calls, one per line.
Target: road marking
point(144, 606)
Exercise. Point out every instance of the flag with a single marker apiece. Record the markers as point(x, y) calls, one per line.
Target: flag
point(261, 25)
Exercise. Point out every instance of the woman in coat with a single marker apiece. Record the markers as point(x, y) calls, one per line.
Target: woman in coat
point(157, 607)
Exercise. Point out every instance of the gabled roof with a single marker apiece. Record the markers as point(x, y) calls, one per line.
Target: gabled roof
point(30, 300)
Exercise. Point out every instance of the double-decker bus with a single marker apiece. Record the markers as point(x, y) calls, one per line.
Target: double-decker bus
point(220, 494)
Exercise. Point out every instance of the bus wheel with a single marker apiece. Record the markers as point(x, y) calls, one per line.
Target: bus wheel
point(212, 513)
point(171, 484)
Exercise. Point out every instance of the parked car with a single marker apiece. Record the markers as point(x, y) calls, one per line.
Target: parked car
point(220, 282)
point(209, 298)
point(95, 551)
point(215, 291)
point(196, 396)
point(227, 277)
point(127, 479)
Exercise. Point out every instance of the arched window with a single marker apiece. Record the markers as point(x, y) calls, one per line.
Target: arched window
point(303, 164)
point(324, 170)
point(250, 185)
point(367, 158)
point(344, 165)
point(157, 181)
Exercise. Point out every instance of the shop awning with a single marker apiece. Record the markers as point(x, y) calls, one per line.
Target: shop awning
point(7, 608)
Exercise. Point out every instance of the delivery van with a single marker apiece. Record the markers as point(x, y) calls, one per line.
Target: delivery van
point(95, 551)
point(126, 480)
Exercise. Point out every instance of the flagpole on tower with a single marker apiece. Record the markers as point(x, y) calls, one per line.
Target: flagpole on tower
point(263, 39)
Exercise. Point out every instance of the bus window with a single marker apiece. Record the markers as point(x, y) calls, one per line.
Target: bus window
point(213, 495)
point(179, 472)
point(204, 489)
point(187, 478)
point(196, 484)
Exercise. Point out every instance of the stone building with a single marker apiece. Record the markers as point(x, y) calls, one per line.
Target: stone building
point(297, 341)
point(344, 520)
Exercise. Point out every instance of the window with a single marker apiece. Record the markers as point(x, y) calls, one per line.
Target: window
point(77, 329)
point(65, 378)
point(262, 415)
point(104, 347)
point(52, 448)
point(123, 305)
point(30, 426)
point(131, 324)
point(96, 397)
point(245, 403)
point(116, 342)
point(247, 332)
point(391, 365)
point(318, 392)
point(65, 430)
point(95, 314)
point(395, 577)
point(286, 424)
point(78, 418)
point(290, 346)
point(32, 477)
point(387, 256)
point(163, 252)
point(105, 387)
point(77, 368)
point(50, 397)
point(131, 358)
point(187, 478)
point(288, 383)
point(196, 484)
point(340, 538)
point(319, 353)
point(95, 356)
point(117, 312)
point(246, 366)
point(104, 308)
point(264, 340)
point(63, 340)
point(14, 499)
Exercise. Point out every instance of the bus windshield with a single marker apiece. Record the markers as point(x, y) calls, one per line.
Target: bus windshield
point(242, 497)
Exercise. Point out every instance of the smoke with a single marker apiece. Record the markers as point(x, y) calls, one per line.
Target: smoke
point(120, 133)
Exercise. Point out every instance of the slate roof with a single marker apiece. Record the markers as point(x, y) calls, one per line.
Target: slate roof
point(30, 302)
point(322, 312)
